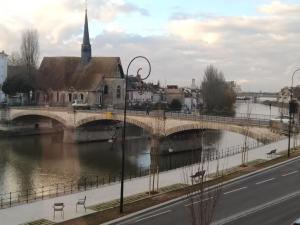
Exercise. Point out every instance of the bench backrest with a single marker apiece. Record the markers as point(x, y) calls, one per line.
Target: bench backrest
point(58, 204)
point(199, 174)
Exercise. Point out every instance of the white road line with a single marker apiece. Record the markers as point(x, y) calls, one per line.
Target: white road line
point(228, 192)
point(256, 209)
point(265, 181)
point(204, 200)
point(290, 173)
point(149, 217)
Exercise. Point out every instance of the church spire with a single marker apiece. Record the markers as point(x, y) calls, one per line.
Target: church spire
point(86, 50)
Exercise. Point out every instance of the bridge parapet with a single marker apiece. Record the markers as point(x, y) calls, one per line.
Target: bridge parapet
point(174, 122)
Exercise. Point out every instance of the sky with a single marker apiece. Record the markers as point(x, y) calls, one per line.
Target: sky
point(253, 42)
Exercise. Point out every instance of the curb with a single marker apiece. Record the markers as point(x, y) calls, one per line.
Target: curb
point(226, 183)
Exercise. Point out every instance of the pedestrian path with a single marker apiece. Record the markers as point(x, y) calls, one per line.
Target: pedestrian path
point(26, 213)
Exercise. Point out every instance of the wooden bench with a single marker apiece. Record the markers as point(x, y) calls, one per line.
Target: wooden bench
point(272, 152)
point(198, 174)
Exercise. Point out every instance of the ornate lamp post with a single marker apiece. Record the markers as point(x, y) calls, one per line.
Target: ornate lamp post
point(292, 110)
point(124, 123)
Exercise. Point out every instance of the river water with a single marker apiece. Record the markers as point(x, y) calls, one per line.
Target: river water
point(35, 161)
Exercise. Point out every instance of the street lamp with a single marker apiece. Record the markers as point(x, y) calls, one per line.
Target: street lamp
point(292, 110)
point(124, 121)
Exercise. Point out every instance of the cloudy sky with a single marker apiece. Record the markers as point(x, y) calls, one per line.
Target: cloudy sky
point(254, 42)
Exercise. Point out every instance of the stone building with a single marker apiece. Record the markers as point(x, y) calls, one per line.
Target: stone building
point(174, 92)
point(95, 81)
point(3, 73)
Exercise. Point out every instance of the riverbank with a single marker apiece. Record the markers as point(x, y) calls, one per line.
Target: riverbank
point(43, 209)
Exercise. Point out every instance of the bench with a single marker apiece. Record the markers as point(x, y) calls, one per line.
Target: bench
point(272, 152)
point(198, 174)
point(81, 202)
point(58, 207)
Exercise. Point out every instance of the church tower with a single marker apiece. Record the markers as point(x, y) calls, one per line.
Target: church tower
point(86, 50)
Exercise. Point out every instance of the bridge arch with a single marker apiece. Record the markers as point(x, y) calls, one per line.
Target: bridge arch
point(217, 126)
point(40, 114)
point(120, 118)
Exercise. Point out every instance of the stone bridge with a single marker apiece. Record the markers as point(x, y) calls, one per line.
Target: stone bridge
point(153, 123)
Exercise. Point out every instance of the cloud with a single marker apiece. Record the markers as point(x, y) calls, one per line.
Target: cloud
point(278, 8)
point(60, 20)
point(260, 52)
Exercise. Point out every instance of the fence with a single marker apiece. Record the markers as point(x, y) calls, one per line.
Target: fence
point(90, 182)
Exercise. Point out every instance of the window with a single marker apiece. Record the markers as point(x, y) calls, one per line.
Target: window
point(105, 89)
point(70, 97)
point(57, 97)
point(81, 97)
point(119, 92)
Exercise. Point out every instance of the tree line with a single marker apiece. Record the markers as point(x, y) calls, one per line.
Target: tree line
point(23, 65)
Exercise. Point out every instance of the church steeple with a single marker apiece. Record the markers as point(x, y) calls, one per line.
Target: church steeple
point(86, 50)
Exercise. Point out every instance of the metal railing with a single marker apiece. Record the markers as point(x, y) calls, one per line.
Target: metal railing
point(11, 199)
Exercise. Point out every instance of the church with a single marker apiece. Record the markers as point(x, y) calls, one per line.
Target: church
point(94, 81)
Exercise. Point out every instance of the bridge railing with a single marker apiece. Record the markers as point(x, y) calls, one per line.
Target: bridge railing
point(221, 119)
point(239, 119)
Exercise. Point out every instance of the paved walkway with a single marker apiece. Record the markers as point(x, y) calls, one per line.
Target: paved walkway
point(43, 209)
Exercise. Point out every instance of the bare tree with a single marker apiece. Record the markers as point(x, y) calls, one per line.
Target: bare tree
point(245, 147)
point(30, 49)
point(218, 95)
point(14, 59)
point(156, 138)
point(203, 202)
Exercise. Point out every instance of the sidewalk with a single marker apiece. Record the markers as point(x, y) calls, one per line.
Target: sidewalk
point(43, 209)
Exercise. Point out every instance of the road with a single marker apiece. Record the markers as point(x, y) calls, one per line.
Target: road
point(270, 197)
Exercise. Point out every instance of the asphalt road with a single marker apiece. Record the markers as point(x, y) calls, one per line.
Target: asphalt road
point(270, 197)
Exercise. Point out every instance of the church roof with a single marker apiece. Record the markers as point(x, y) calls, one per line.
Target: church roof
point(63, 73)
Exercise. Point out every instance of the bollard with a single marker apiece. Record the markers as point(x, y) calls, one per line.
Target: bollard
point(85, 183)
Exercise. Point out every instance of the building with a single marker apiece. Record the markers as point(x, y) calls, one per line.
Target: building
point(284, 95)
point(95, 81)
point(3, 73)
point(174, 92)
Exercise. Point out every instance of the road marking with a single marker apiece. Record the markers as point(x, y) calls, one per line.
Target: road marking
point(228, 192)
point(256, 209)
point(290, 173)
point(149, 217)
point(204, 200)
point(265, 181)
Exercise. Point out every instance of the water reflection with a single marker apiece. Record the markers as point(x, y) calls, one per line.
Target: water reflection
point(35, 161)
